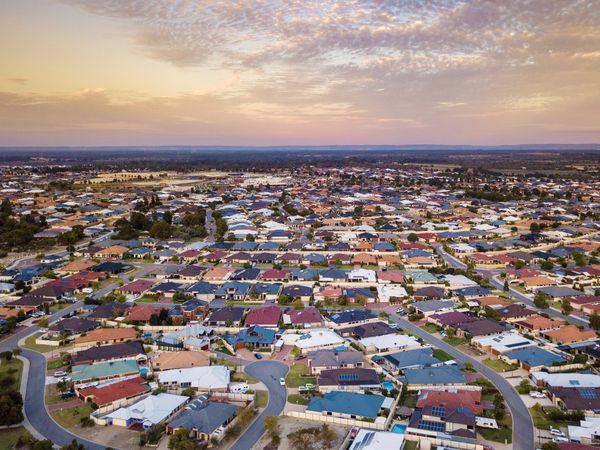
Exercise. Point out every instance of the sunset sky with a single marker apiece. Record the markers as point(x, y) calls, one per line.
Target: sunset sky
point(270, 72)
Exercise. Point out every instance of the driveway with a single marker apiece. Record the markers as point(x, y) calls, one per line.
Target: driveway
point(522, 422)
point(269, 372)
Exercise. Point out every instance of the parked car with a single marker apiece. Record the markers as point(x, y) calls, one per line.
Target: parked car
point(393, 325)
point(559, 439)
point(299, 357)
point(65, 379)
point(240, 388)
point(303, 389)
point(310, 386)
point(537, 394)
point(258, 356)
point(66, 395)
point(556, 432)
point(61, 373)
point(282, 381)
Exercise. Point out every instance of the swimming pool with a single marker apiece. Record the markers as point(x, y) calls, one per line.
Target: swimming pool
point(398, 428)
point(388, 385)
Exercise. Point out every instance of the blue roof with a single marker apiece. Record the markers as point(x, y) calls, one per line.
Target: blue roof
point(411, 358)
point(351, 315)
point(361, 405)
point(435, 375)
point(535, 356)
point(254, 334)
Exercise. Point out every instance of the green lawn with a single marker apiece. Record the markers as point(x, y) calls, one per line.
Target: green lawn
point(297, 399)
point(147, 299)
point(430, 328)
point(14, 369)
point(241, 377)
point(56, 364)
point(454, 341)
point(58, 307)
point(297, 376)
point(441, 355)
point(9, 437)
point(410, 445)
point(502, 434)
point(69, 418)
point(498, 365)
point(31, 345)
point(261, 398)
point(542, 421)
point(411, 400)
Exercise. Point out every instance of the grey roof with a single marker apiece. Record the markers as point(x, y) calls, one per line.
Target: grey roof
point(435, 376)
point(433, 305)
point(332, 358)
point(560, 291)
point(419, 357)
point(205, 417)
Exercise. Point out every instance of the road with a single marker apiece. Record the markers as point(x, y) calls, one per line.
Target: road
point(35, 408)
point(522, 422)
point(269, 372)
point(491, 275)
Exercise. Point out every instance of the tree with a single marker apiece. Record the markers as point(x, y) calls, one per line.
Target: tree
point(42, 445)
point(6, 208)
point(189, 392)
point(412, 237)
point(595, 321)
point(547, 265)
point(298, 304)
point(42, 323)
point(161, 230)
point(566, 307)
point(181, 440)
point(534, 227)
point(271, 425)
point(541, 300)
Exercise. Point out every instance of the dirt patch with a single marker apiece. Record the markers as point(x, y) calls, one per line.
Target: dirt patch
point(289, 425)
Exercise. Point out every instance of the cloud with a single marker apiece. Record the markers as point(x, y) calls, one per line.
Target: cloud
point(17, 80)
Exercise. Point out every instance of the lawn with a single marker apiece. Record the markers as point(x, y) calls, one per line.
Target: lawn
point(147, 299)
point(31, 345)
point(410, 445)
point(241, 377)
point(502, 434)
point(542, 421)
point(411, 400)
point(9, 437)
point(454, 341)
point(14, 369)
point(299, 376)
point(261, 398)
point(430, 328)
point(58, 307)
point(55, 364)
point(70, 418)
point(498, 365)
point(297, 399)
point(441, 355)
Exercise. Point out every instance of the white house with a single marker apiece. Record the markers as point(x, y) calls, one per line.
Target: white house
point(204, 378)
point(149, 411)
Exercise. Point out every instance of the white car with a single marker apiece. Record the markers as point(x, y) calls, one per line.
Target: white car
point(282, 381)
point(65, 379)
point(537, 394)
point(556, 432)
point(60, 373)
point(560, 439)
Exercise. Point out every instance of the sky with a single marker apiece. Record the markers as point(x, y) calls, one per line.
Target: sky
point(299, 72)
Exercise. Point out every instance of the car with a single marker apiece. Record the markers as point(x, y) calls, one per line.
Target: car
point(65, 379)
point(61, 373)
point(393, 325)
point(299, 357)
point(556, 432)
point(282, 381)
point(537, 394)
point(400, 311)
point(309, 386)
point(66, 395)
point(559, 439)
point(303, 389)
point(258, 356)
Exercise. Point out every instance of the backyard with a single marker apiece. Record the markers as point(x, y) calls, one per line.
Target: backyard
point(299, 375)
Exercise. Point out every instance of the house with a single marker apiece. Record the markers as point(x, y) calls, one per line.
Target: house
point(254, 337)
point(204, 420)
point(348, 379)
point(389, 343)
point(203, 378)
point(328, 293)
point(104, 370)
point(348, 405)
point(568, 334)
point(203, 290)
point(350, 317)
point(180, 360)
point(533, 358)
point(148, 412)
point(498, 344)
point(125, 350)
point(226, 316)
point(135, 288)
point(460, 421)
point(318, 340)
point(430, 307)
point(268, 316)
point(481, 327)
point(417, 379)
point(297, 292)
point(72, 326)
point(391, 293)
point(305, 318)
point(376, 440)
point(266, 291)
point(409, 359)
point(320, 360)
point(115, 395)
point(575, 399)
point(537, 324)
point(451, 398)
point(582, 380)
point(114, 251)
point(101, 336)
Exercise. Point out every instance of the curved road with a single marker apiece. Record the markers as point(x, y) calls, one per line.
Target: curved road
point(522, 423)
point(34, 405)
point(269, 372)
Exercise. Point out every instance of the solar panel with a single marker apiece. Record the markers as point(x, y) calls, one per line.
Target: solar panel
point(574, 382)
point(587, 393)
point(431, 426)
point(439, 411)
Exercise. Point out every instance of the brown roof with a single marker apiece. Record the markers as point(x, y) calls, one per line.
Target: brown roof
point(180, 360)
point(107, 334)
point(570, 333)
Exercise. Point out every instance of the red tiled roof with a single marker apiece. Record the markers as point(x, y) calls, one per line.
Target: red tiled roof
point(123, 389)
point(269, 315)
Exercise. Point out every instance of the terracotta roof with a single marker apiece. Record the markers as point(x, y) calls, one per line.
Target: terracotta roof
point(107, 334)
point(105, 395)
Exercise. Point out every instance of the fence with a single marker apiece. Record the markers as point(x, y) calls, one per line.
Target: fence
point(337, 420)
